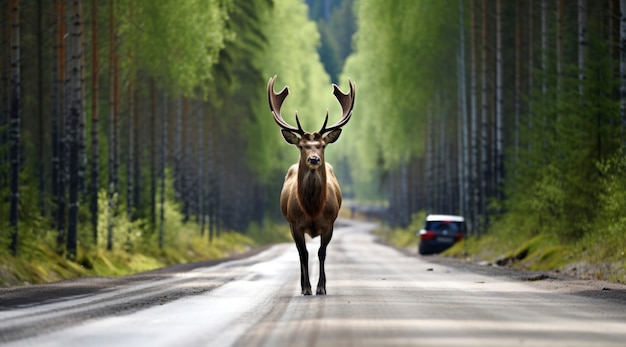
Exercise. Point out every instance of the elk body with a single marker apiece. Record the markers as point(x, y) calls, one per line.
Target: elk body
point(311, 198)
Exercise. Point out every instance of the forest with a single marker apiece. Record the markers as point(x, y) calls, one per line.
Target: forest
point(140, 127)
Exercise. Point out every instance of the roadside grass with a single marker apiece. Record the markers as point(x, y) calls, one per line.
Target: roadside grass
point(402, 237)
point(599, 255)
point(38, 261)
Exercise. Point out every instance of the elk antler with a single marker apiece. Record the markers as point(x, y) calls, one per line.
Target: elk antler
point(347, 103)
point(276, 101)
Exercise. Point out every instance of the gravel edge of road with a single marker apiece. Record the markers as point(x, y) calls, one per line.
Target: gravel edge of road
point(546, 280)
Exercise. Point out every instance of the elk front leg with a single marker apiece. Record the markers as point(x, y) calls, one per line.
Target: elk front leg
point(321, 284)
point(305, 284)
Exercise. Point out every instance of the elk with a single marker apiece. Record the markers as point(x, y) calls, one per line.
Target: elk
point(310, 198)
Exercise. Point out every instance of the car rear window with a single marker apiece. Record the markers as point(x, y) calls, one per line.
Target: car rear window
point(444, 225)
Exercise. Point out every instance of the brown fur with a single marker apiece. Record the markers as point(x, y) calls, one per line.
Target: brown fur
point(310, 201)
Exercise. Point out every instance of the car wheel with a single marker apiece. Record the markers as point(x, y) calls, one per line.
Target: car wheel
point(423, 250)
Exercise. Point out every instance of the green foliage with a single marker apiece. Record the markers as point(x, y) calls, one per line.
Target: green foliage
point(402, 56)
point(292, 55)
point(177, 43)
point(336, 35)
point(269, 232)
point(607, 241)
point(127, 234)
point(135, 245)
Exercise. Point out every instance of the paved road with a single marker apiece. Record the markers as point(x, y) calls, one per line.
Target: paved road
point(378, 296)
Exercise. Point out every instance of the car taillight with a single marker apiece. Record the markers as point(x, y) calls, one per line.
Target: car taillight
point(459, 236)
point(427, 234)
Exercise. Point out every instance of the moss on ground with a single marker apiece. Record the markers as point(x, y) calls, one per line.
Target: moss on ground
point(40, 263)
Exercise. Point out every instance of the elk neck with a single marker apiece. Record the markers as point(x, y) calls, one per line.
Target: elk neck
point(312, 188)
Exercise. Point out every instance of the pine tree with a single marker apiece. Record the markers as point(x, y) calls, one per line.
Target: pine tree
point(15, 118)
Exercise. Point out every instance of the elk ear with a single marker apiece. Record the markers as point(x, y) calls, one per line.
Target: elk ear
point(332, 136)
point(290, 137)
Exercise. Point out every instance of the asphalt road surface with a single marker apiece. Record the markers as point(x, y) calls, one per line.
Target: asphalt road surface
point(377, 296)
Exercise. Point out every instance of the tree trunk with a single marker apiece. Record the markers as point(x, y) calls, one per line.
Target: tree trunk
point(484, 117)
point(5, 91)
point(582, 45)
point(82, 120)
point(518, 79)
point(186, 161)
point(499, 172)
point(139, 142)
point(41, 155)
point(113, 138)
point(405, 216)
point(559, 47)
point(544, 69)
point(531, 66)
point(95, 146)
point(130, 159)
point(58, 160)
point(442, 172)
point(211, 177)
point(201, 179)
point(430, 182)
point(153, 154)
point(15, 113)
point(75, 109)
point(622, 69)
point(473, 122)
point(178, 150)
point(544, 48)
point(162, 147)
point(464, 147)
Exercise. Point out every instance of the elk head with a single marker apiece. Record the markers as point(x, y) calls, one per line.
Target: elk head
point(311, 145)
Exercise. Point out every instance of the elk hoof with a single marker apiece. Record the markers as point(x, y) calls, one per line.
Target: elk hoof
point(320, 291)
point(306, 292)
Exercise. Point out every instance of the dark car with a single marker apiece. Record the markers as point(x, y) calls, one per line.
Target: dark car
point(440, 232)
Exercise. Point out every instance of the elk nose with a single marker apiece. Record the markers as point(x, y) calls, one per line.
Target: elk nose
point(314, 160)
